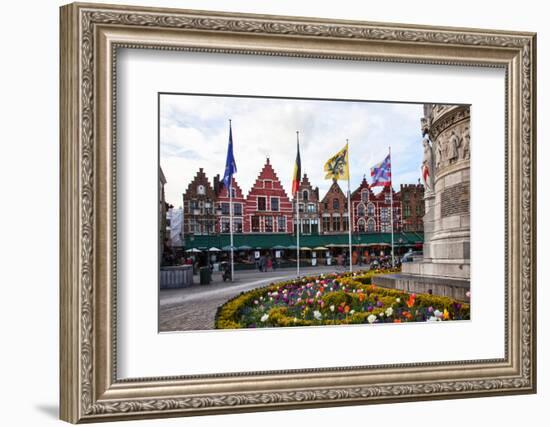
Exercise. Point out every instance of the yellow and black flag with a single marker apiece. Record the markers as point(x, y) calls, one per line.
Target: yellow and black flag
point(337, 167)
point(297, 175)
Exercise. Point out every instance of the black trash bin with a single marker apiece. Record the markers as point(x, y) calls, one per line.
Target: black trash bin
point(204, 275)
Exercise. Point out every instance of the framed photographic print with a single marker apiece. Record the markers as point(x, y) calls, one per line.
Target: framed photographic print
point(266, 212)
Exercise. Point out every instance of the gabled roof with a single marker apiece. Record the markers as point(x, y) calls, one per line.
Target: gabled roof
point(331, 190)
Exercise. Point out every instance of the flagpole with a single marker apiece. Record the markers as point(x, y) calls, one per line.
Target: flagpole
point(298, 218)
point(391, 213)
point(230, 189)
point(349, 212)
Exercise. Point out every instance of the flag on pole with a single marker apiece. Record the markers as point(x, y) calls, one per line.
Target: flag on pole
point(297, 175)
point(230, 165)
point(381, 173)
point(337, 167)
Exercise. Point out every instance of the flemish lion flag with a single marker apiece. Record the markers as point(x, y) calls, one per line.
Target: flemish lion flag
point(337, 167)
point(297, 175)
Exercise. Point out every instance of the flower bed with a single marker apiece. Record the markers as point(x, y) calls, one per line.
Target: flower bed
point(334, 300)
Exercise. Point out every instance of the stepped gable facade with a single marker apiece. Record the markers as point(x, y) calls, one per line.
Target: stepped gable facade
point(308, 205)
point(268, 208)
point(199, 202)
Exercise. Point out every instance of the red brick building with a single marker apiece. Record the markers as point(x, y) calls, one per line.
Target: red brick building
point(308, 205)
point(382, 203)
point(363, 205)
point(371, 211)
point(223, 206)
point(334, 210)
point(198, 206)
point(412, 200)
point(268, 208)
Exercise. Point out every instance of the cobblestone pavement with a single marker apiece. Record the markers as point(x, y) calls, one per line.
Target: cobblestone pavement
point(194, 308)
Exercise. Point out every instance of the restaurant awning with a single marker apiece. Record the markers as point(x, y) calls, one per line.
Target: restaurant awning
point(325, 241)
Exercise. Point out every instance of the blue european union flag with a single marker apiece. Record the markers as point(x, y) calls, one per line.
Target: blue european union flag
point(230, 165)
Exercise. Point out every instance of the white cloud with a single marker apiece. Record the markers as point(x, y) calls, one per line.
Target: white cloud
point(194, 134)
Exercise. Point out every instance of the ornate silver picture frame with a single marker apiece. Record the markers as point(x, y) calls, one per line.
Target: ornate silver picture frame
point(91, 389)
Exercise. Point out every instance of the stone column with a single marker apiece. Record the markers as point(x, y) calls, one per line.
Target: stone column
point(445, 266)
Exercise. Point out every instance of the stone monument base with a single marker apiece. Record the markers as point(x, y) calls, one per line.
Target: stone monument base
point(440, 286)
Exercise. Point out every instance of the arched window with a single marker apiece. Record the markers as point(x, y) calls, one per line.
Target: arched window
point(335, 204)
point(371, 225)
point(370, 209)
point(361, 209)
point(305, 195)
point(361, 225)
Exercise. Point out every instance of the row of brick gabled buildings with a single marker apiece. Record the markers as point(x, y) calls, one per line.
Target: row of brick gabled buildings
point(268, 209)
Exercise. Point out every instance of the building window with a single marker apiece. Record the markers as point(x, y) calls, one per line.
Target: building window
point(237, 225)
point(345, 221)
point(370, 209)
point(314, 226)
point(201, 190)
point(371, 225)
point(281, 224)
point(326, 223)
point(225, 208)
point(261, 203)
point(306, 229)
point(275, 204)
point(225, 225)
point(364, 195)
point(407, 211)
point(326, 206)
point(361, 225)
point(335, 222)
point(255, 224)
point(361, 209)
point(233, 193)
point(387, 197)
point(311, 208)
point(385, 214)
point(301, 207)
point(335, 204)
point(419, 210)
point(268, 224)
point(237, 208)
point(305, 195)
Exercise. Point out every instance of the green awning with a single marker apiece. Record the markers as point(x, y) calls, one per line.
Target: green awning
point(269, 241)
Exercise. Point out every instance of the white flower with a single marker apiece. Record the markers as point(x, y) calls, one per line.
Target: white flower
point(468, 294)
point(433, 319)
point(317, 314)
point(381, 314)
point(371, 318)
point(398, 299)
point(351, 312)
point(332, 307)
point(389, 311)
point(264, 317)
point(318, 294)
point(295, 319)
point(256, 302)
point(438, 314)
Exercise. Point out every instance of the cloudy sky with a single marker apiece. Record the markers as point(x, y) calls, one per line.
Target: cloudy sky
point(194, 132)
